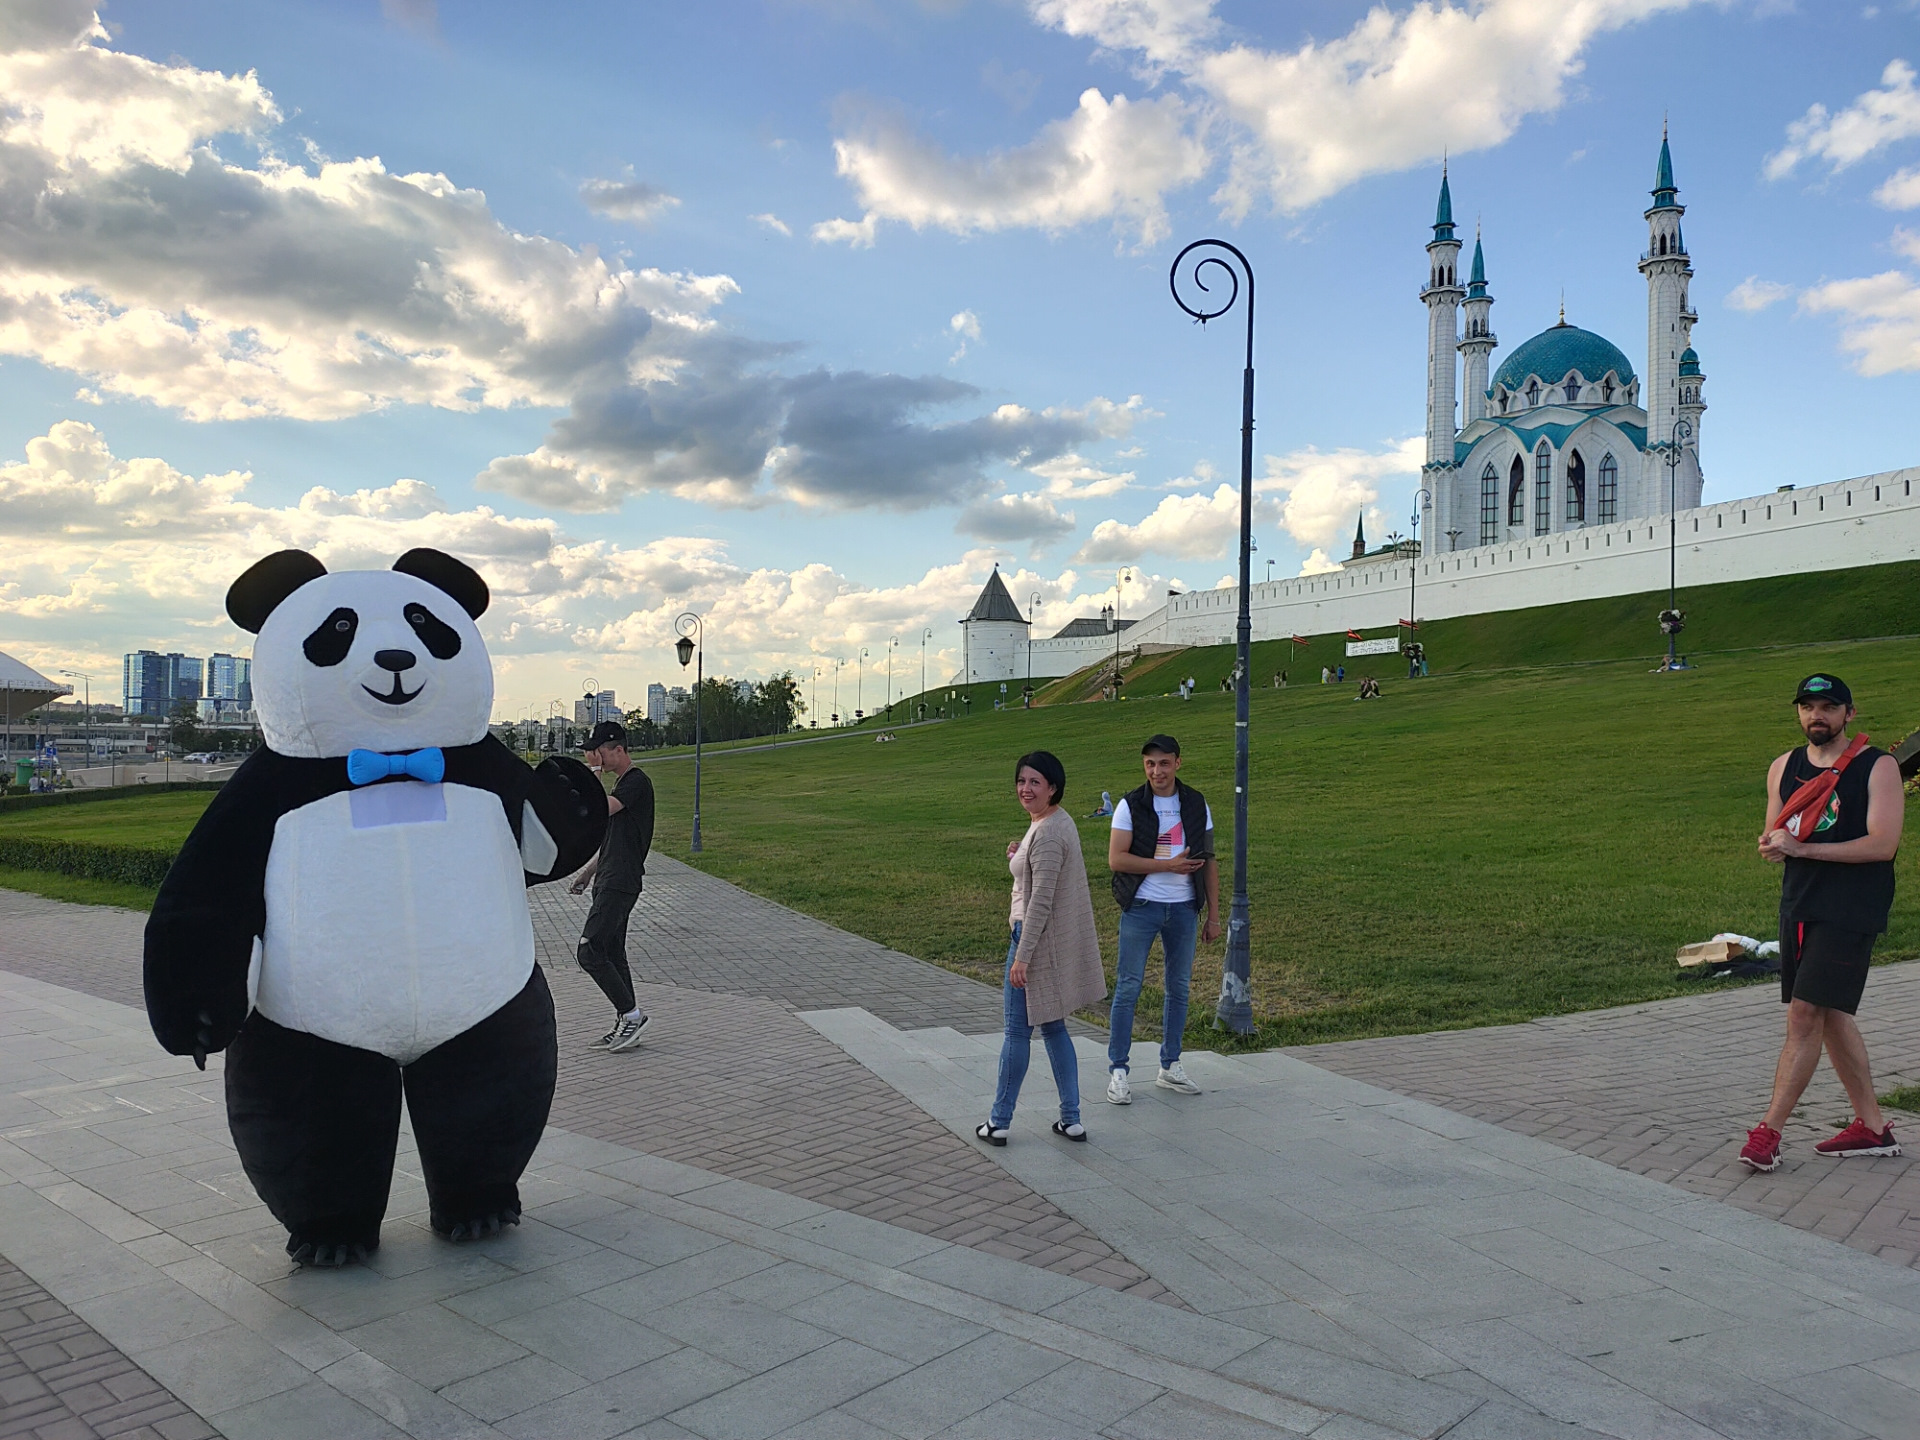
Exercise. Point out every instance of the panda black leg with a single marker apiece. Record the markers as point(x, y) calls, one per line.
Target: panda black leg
point(315, 1123)
point(479, 1104)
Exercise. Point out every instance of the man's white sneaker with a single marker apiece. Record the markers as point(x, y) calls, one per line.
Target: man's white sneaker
point(627, 1035)
point(1119, 1090)
point(1175, 1077)
point(605, 1040)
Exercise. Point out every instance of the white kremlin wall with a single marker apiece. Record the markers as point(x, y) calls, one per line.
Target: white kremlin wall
point(1872, 520)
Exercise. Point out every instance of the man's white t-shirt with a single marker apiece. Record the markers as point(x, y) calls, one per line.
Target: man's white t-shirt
point(1163, 886)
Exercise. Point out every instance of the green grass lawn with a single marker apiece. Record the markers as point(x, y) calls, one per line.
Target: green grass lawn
point(1472, 849)
point(161, 821)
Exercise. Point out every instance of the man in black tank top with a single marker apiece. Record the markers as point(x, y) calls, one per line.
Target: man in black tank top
point(1835, 896)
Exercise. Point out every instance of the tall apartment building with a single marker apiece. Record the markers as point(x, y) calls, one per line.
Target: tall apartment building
point(657, 703)
point(151, 684)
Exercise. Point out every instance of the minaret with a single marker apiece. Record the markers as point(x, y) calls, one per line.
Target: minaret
point(1478, 345)
point(1669, 323)
point(1443, 296)
point(1360, 536)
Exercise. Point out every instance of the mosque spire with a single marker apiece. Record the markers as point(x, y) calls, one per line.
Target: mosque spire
point(1360, 536)
point(1477, 280)
point(1443, 212)
point(1665, 192)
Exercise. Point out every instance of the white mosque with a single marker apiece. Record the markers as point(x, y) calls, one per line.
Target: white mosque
point(1563, 436)
point(1562, 475)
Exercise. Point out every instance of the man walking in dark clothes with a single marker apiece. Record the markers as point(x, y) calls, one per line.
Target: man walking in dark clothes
point(616, 873)
point(1834, 813)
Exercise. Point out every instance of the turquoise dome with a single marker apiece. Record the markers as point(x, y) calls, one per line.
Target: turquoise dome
point(1689, 362)
point(1552, 353)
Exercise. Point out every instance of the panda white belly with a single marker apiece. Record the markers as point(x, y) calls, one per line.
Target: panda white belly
point(396, 917)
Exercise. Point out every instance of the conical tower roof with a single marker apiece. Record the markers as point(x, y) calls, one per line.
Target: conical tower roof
point(995, 603)
point(1664, 190)
point(1443, 212)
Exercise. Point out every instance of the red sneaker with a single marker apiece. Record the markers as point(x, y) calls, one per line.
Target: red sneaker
point(1762, 1150)
point(1857, 1139)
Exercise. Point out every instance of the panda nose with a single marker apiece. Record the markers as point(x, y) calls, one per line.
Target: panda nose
point(395, 660)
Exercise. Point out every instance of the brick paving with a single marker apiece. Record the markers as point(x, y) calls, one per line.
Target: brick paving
point(729, 1080)
point(60, 1381)
point(1668, 1090)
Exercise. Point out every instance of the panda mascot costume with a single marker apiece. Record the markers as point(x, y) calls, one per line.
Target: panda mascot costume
point(348, 921)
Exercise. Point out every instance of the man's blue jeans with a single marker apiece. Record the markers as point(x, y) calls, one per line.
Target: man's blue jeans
point(1016, 1050)
point(1176, 926)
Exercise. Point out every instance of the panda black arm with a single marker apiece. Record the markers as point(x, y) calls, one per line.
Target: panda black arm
point(199, 938)
point(564, 796)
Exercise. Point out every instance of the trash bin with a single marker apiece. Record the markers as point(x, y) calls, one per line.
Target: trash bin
point(23, 773)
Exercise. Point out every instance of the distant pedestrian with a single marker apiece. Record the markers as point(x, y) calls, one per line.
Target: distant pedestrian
point(1279, 679)
point(1164, 876)
point(616, 874)
point(1053, 960)
point(1326, 675)
point(1834, 815)
point(1340, 675)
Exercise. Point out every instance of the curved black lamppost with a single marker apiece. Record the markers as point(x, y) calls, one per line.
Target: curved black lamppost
point(692, 645)
point(1235, 1010)
point(1671, 620)
point(1422, 499)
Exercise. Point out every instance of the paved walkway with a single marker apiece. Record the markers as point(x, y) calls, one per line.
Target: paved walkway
point(1668, 1090)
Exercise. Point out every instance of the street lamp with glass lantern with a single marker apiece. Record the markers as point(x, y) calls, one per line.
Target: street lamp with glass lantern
point(1453, 539)
point(1671, 620)
point(1033, 606)
point(893, 644)
point(860, 685)
point(86, 683)
point(1236, 993)
point(837, 664)
point(692, 645)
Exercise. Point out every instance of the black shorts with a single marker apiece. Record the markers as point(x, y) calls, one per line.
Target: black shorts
point(1823, 964)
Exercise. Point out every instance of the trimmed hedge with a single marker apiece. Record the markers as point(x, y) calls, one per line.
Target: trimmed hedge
point(104, 792)
point(129, 864)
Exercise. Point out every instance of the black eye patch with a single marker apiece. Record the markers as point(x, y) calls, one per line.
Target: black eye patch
point(332, 638)
point(441, 639)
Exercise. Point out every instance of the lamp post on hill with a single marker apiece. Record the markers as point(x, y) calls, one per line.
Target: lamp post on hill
point(1235, 1010)
point(1033, 606)
point(860, 685)
point(893, 644)
point(692, 645)
point(1671, 620)
point(925, 635)
point(838, 664)
point(1422, 499)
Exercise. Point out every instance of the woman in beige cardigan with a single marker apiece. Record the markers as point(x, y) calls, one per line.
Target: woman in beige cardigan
point(1053, 964)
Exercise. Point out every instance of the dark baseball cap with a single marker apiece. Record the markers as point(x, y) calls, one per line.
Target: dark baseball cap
point(607, 732)
point(1823, 687)
point(1166, 744)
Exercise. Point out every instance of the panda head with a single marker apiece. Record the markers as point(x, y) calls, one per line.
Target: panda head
point(366, 659)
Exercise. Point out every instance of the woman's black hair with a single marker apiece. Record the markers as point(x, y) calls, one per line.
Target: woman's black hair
point(1049, 768)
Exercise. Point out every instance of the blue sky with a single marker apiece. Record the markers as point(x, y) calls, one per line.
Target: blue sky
point(804, 314)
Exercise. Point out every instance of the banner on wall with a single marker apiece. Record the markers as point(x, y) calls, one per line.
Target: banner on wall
point(1389, 646)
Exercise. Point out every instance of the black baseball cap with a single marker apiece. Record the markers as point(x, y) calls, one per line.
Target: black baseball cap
point(1822, 686)
point(1166, 744)
point(607, 732)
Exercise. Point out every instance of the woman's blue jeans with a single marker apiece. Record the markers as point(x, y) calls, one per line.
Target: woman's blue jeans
point(1016, 1050)
point(1174, 925)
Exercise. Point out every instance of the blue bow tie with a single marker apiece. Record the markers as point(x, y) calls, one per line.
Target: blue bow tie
point(366, 766)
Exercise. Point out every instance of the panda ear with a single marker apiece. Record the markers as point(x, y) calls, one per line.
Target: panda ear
point(254, 596)
point(443, 572)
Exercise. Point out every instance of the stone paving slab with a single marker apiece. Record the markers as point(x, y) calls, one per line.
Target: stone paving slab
point(640, 1296)
point(730, 1082)
point(1315, 1223)
point(1668, 1090)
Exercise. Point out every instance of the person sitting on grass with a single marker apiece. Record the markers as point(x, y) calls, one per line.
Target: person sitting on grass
point(1053, 960)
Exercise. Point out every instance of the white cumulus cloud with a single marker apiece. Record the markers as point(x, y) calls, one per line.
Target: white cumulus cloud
point(631, 200)
point(1754, 294)
point(1879, 314)
point(1900, 190)
point(1325, 490)
point(1876, 119)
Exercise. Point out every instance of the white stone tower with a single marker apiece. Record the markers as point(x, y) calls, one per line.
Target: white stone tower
point(1477, 346)
point(1670, 323)
point(1443, 296)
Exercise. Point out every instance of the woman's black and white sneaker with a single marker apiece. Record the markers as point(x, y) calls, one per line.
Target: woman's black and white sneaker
point(1075, 1131)
point(987, 1133)
point(605, 1040)
point(626, 1035)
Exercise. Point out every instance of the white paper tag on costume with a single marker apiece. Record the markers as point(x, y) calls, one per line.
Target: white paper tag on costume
point(407, 802)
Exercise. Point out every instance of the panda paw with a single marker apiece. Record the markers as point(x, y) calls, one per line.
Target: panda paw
point(327, 1254)
point(483, 1226)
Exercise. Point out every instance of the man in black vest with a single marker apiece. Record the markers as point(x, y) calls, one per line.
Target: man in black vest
point(1161, 855)
point(616, 874)
point(1834, 898)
